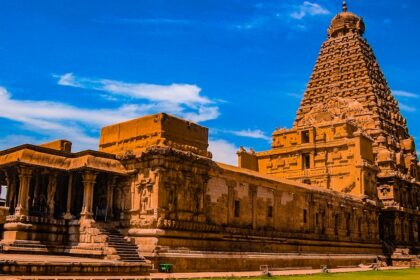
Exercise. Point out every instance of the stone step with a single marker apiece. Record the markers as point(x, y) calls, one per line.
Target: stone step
point(126, 251)
point(131, 250)
point(120, 245)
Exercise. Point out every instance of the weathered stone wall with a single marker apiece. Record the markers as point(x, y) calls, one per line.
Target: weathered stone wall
point(186, 202)
point(332, 155)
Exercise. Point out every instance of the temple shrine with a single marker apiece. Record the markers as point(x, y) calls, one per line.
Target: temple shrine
point(341, 187)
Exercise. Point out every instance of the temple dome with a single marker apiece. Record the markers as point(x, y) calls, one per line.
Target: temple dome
point(346, 22)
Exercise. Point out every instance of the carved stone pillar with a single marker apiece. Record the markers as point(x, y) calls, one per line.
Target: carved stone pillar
point(52, 187)
point(68, 215)
point(158, 190)
point(89, 179)
point(25, 175)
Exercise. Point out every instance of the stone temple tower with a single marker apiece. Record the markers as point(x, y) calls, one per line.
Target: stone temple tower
point(348, 83)
point(349, 136)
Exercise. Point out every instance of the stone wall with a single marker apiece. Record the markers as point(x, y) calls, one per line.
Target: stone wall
point(186, 202)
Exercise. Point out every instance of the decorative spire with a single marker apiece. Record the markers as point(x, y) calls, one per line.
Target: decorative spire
point(344, 6)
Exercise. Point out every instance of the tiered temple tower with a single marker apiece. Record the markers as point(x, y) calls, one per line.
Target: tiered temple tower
point(350, 136)
point(348, 82)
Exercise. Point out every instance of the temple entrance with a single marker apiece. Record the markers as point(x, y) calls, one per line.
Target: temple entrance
point(100, 199)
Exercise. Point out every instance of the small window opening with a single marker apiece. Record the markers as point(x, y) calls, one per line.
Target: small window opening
point(307, 181)
point(306, 161)
point(304, 216)
point(305, 136)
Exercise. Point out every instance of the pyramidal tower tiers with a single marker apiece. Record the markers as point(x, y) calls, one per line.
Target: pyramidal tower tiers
point(348, 82)
point(349, 135)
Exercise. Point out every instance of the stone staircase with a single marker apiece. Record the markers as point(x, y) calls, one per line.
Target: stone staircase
point(126, 251)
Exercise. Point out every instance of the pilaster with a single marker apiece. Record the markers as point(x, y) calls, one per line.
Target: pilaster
point(25, 175)
point(89, 180)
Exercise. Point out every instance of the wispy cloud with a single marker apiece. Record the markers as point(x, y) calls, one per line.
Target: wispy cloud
point(407, 108)
point(254, 23)
point(295, 95)
point(309, 9)
point(184, 100)
point(406, 94)
point(256, 134)
point(223, 151)
point(272, 14)
point(57, 119)
point(67, 80)
point(54, 120)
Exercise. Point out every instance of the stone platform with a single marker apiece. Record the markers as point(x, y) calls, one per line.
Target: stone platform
point(25, 264)
point(242, 261)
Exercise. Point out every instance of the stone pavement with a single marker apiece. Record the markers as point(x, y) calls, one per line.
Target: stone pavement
point(49, 258)
point(159, 276)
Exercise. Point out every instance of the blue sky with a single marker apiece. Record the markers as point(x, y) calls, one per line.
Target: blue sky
point(238, 67)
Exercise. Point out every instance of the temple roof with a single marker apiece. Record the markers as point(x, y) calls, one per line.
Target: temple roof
point(50, 158)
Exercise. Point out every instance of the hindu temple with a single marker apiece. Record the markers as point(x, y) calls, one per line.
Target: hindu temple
point(340, 187)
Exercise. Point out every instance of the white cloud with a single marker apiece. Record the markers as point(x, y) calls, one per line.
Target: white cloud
point(257, 134)
point(46, 114)
point(184, 100)
point(402, 93)
point(407, 108)
point(67, 80)
point(223, 151)
point(309, 8)
point(58, 120)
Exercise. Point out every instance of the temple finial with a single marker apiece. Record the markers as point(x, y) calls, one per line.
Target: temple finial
point(344, 6)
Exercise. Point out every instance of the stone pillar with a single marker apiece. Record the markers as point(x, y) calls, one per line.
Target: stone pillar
point(52, 187)
point(68, 215)
point(330, 222)
point(276, 203)
point(11, 190)
point(25, 175)
point(36, 193)
point(158, 191)
point(230, 201)
point(253, 190)
point(110, 196)
point(89, 179)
